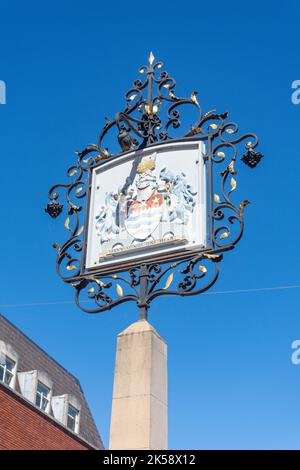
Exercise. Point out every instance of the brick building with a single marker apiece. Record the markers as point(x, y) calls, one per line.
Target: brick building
point(42, 405)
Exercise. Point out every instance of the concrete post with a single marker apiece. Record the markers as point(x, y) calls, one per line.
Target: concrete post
point(139, 418)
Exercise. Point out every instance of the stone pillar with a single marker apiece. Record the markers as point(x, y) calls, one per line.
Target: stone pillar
point(139, 418)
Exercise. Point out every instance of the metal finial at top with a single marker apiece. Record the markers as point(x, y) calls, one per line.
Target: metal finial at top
point(151, 58)
point(141, 122)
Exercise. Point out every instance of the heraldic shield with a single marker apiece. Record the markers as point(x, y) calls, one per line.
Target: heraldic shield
point(143, 217)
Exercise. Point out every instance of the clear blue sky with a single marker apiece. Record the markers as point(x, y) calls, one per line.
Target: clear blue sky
point(66, 65)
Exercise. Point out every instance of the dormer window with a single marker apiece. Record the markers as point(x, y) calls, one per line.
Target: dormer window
point(42, 396)
point(73, 418)
point(66, 409)
point(7, 367)
point(36, 386)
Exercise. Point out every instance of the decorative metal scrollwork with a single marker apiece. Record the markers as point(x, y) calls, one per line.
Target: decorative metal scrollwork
point(140, 125)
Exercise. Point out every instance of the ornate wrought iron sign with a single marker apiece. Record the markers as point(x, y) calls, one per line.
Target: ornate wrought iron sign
point(155, 218)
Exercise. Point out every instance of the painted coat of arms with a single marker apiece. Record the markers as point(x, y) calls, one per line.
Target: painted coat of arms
point(151, 208)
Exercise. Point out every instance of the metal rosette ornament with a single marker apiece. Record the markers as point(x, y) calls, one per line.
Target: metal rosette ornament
point(119, 246)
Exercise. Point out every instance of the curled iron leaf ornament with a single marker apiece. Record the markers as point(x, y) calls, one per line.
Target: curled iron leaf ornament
point(142, 124)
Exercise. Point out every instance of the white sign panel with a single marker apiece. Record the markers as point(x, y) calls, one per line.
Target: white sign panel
point(146, 205)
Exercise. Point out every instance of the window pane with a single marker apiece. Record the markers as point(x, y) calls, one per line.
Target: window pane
point(42, 389)
point(42, 394)
point(72, 412)
point(9, 364)
point(71, 423)
point(44, 403)
point(1, 372)
point(8, 377)
point(38, 400)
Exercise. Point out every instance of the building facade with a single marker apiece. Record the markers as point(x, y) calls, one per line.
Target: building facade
point(42, 405)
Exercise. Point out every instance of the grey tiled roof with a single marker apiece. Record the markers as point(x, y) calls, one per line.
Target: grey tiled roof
point(32, 357)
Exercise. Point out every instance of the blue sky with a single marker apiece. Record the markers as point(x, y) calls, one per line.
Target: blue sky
point(68, 64)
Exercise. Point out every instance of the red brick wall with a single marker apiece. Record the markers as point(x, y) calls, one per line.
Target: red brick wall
point(23, 427)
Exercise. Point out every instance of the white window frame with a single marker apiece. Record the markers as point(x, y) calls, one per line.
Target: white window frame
point(42, 396)
point(8, 372)
point(76, 419)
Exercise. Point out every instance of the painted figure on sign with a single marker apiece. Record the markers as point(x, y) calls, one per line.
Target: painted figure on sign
point(151, 207)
